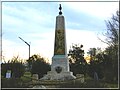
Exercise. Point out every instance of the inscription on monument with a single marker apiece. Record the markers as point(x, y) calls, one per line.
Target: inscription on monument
point(59, 43)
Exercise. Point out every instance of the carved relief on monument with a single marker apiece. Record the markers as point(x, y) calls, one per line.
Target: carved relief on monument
point(58, 69)
point(59, 43)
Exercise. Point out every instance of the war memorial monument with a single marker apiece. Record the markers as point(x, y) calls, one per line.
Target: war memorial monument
point(60, 63)
point(60, 72)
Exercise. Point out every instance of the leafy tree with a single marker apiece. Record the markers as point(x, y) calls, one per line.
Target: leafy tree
point(112, 30)
point(77, 61)
point(96, 61)
point(15, 65)
point(30, 62)
point(110, 55)
point(39, 65)
point(112, 37)
point(92, 53)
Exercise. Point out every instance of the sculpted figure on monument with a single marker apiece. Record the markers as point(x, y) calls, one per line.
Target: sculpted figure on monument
point(59, 42)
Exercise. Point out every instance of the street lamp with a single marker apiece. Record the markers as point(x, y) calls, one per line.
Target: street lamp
point(27, 44)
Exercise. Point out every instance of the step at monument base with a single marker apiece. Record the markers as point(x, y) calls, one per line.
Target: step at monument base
point(51, 75)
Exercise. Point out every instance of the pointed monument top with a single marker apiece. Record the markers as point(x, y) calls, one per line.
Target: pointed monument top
point(60, 8)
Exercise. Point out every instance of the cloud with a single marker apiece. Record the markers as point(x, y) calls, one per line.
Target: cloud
point(45, 47)
point(87, 38)
point(9, 50)
point(37, 25)
point(26, 17)
point(98, 9)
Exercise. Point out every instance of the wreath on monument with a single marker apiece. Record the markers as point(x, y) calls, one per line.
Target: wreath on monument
point(58, 69)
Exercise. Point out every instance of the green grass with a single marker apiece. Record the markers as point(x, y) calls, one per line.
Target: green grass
point(23, 82)
point(27, 74)
point(111, 85)
point(89, 83)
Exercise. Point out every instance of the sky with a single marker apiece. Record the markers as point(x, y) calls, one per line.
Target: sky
point(35, 23)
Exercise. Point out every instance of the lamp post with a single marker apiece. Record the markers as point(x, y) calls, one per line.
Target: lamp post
point(27, 44)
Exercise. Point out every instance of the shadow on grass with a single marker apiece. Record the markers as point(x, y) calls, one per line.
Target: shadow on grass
point(15, 82)
point(89, 83)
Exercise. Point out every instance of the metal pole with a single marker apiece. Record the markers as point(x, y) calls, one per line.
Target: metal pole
point(27, 44)
point(29, 51)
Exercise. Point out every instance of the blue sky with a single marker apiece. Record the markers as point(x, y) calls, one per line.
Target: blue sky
point(35, 23)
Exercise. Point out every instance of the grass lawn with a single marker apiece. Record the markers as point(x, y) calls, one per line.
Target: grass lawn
point(16, 82)
point(23, 82)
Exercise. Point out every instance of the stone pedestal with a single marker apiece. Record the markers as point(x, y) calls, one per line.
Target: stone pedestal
point(51, 75)
point(80, 77)
point(59, 69)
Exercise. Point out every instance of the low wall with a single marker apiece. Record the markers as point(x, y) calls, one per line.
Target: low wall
point(36, 83)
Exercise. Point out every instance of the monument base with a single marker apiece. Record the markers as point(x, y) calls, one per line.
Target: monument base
point(59, 69)
point(51, 75)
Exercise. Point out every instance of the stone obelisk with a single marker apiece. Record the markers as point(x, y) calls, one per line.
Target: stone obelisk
point(60, 63)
